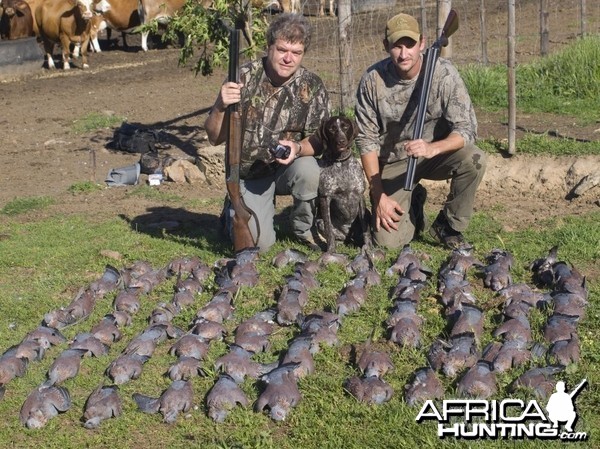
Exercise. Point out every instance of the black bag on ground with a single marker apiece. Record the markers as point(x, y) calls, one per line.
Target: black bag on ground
point(134, 139)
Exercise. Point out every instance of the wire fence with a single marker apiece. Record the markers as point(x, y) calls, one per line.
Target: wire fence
point(471, 44)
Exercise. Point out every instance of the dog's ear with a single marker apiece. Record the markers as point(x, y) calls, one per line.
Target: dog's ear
point(322, 132)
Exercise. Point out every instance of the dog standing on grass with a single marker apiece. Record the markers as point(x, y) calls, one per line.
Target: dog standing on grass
point(342, 207)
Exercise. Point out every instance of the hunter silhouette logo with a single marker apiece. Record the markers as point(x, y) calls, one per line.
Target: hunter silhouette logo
point(508, 418)
point(560, 405)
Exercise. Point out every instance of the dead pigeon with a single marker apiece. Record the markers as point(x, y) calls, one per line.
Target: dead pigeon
point(190, 284)
point(107, 331)
point(374, 363)
point(122, 319)
point(52, 335)
point(328, 258)
point(437, 354)
point(542, 267)
point(93, 346)
point(405, 258)
point(570, 304)
point(288, 256)
point(253, 342)
point(371, 390)
point(238, 364)
point(299, 352)
point(110, 281)
point(514, 329)
point(183, 299)
point(289, 306)
point(208, 330)
point(178, 397)
point(219, 308)
point(58, 319)
point(224, 395)
point(565, 352)
point(126, 367)
point(185, 368)
point(510, 354)
point(425, 386)
point(281, 392)
point(560, 327)
point(470, 319)
point(190, 345)
point(462, 354)
point(183, 265)
point(32, 350)
point(406, 332)
point(43, 404)
point(128, 300)
point(478, 382)
point(497, 273)
point(11, 366)
point(66, 366)
point(351, 298)
point(103, 403)
point(260, 323)
point(540, 380)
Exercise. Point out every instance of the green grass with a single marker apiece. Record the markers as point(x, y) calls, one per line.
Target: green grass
point(542, 144)
point(94, 121)
point(44, 263)
point(84, 187)
point(26, 204)
point(566, 83)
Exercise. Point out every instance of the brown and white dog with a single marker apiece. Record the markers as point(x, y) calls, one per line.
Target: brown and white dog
point(342, 206)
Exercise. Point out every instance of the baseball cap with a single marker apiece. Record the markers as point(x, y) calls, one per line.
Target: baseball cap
point(402, 25)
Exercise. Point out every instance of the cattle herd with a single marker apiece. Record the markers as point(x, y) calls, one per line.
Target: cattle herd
point(75, 24)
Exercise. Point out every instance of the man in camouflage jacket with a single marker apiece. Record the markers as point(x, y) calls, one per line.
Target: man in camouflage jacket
point(386, 113)
point(281, 102)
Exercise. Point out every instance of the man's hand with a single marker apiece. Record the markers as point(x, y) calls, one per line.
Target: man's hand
point(387, 213)
point(420, 148)
point(231, 93)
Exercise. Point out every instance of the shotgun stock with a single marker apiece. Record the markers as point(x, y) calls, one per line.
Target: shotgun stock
point(429, 59)
point(242, 237)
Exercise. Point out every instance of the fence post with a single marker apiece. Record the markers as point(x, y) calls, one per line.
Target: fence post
point(484, 53)
point(423, 14)
point(444, 7)
point(512, 102)
point(544, 34)
point(582, 18)
point(345, 47)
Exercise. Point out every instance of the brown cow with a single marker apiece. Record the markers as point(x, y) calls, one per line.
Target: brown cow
point(159, 10)
point(120, 15)
point(65, 22)
point(33, 4)
point(16, 21)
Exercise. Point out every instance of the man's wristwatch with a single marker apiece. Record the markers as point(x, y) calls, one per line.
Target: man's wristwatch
point(299, 150)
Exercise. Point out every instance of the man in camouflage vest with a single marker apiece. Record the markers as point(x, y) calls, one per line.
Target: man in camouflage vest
point(386, 112)
point(280, 102)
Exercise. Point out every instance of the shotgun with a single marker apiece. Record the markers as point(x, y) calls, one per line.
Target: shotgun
point(429, 59)
point(242, 237)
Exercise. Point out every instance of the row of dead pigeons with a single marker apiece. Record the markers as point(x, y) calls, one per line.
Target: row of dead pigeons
point(458, 356)
point(454, 356)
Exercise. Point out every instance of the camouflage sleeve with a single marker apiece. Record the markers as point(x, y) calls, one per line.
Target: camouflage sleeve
point(456, 103)
point(319, 110)
point(367, 118)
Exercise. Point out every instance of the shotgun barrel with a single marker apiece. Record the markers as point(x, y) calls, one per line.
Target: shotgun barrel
point(242, 237)
point(429, 59)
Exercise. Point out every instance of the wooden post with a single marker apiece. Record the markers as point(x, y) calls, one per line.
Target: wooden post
point(423, 19)
point(444, 7)
point(512, 102)
point(582, 18)
point(484, 53)
point(544, 33)
point(345, 48)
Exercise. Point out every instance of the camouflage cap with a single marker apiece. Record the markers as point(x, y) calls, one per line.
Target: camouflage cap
point(402, 25)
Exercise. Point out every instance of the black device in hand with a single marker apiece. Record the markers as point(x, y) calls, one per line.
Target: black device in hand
point(280, 151)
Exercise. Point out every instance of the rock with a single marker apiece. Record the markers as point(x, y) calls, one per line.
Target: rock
point(184, 171)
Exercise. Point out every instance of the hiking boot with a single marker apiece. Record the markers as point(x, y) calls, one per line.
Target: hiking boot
point(309, 240)
point(417, 203)
point(443, 233)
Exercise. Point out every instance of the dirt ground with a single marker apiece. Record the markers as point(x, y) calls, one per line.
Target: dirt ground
point(41, 155)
